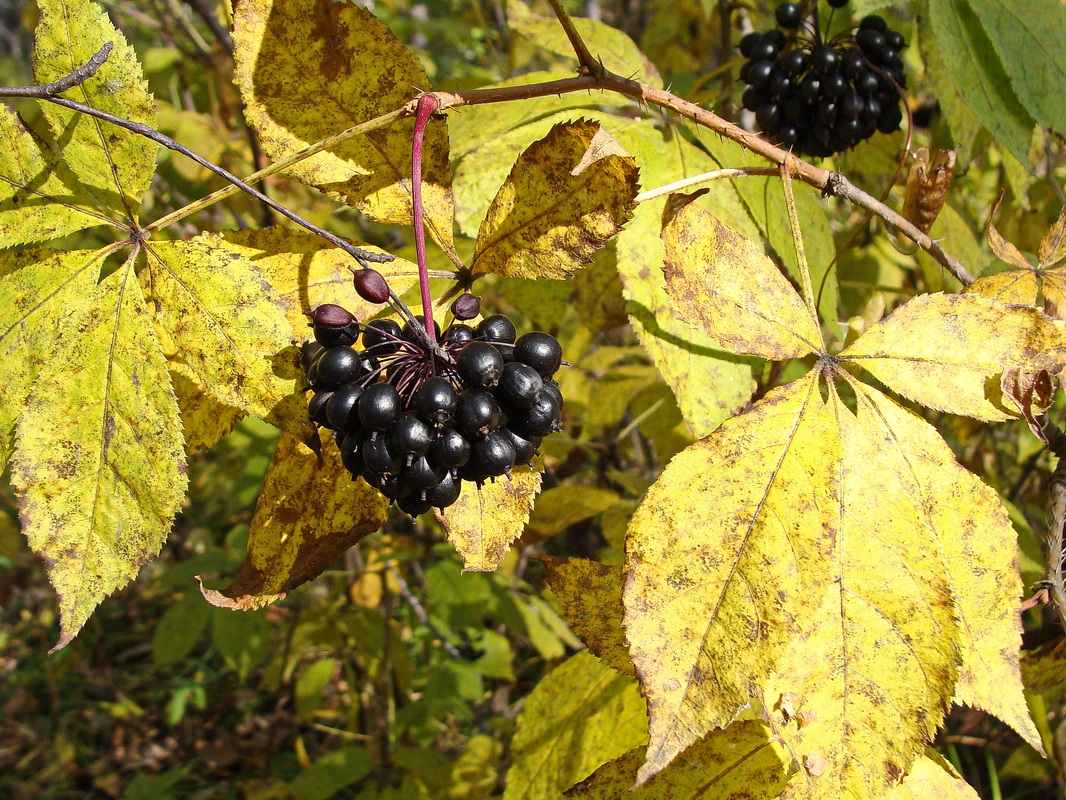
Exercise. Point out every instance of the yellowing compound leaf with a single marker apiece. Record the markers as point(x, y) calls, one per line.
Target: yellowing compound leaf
point(99, 465)
point(228, 326)
point(582, 714)
point(591, 594)
point(931, 776)
point(727, 286)
point(309, 69)
point(309, 512)
point(306, 272)
point(485, 519)
point(978, 543)
point(565, 197)
point(723, 555)
point(40, 198)
point(947, 351)
point(740, 762)
point(37, 288)
point(112, 164)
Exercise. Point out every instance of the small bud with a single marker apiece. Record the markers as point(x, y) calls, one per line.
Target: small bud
point(330, 316)
point(371, 285)
point(466, 306)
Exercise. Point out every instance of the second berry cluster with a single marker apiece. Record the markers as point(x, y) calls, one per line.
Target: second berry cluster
point(416, 416)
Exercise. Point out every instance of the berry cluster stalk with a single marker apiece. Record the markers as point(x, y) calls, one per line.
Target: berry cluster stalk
point(427, 104)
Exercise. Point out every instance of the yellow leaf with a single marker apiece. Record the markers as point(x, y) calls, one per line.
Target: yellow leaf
point(37, 288)
point(565, 197)
point(725, 552)
point(99, 464)
point(1053, 245)
point(113, 165)
point(308, 69)
point(204, 419)
point(484, 521)
point(591, 594)
point(39, 196)
point(306, 272)
point(740, 762)
point(947, 351)
point(228, 326)
point(727, 286)
point(1044, 671)
point(709, 383)
point(580, 715)
point(309, 512)
point(931, 776)
point(870, 676)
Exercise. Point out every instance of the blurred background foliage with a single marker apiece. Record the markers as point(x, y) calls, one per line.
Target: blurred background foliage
point(394, 675)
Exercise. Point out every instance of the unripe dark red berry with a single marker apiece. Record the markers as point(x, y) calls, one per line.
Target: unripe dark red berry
point(371, 285)
point(332, 316)
point(466, 306)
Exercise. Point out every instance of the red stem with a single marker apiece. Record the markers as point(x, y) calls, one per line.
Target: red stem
point(427, 104)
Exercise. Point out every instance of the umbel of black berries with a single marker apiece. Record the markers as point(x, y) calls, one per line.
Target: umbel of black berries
point(817, 96)
point(414, 425)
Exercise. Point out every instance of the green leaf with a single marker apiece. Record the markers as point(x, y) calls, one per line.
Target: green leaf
point(113, 165)
point(1030, 40)
point(310, 686)
point(581, 715)
point(99, 460)
point(308, 69)
point(40, 198)
point(565, 197)
point(179, 629)
point(37, 287)
point(331, 773)
point(243, 640)
point(972, 71)
point(228, 325)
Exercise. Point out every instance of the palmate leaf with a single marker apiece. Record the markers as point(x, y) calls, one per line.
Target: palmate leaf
point(836, 563)
point(114, 166)
point(309, 512)
point(99, 464)
point(308, 69)
point(565, 197)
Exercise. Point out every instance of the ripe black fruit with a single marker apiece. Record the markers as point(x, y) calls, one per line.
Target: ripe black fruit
point(316, 409)
point(459, 334)
point(788, 15)
point(421, 474)
point(524, 449)
point(478, 413)
point(340, 410)
point(414, 504)
point(435, 401)
point(411, 336)
point(337, 366)
point(410, 436)
point(494, 454)
point(540, 351)
point(451, 449)
point(496, 328)
point(379, 456)
point(381, 337)
point(519, 385)
point(446, 492)
point(480, 364)
point(379, 407)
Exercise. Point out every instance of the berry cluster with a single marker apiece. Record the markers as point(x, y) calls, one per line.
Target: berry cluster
point(415, 419)
point(823, 97)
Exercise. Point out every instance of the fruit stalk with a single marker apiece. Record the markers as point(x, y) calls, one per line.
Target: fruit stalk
point(427, 105)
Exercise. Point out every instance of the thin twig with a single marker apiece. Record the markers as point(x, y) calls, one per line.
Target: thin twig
point(75, 78)
point(706, 177)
